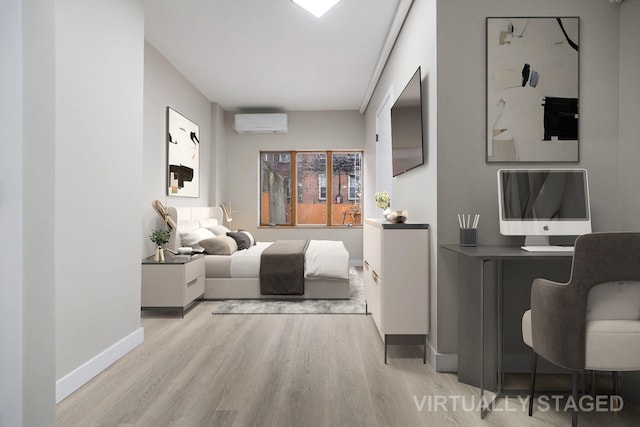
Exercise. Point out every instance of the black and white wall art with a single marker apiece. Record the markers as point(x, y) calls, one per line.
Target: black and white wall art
point(532, 89)
point(183, 155)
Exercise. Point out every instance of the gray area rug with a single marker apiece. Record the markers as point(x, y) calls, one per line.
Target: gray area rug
point(354, 305)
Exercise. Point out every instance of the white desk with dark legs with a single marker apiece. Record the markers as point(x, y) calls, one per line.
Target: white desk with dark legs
point(480, 306)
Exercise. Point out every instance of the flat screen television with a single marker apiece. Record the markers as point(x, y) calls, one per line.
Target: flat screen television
point(406, 127)
point(538, 203)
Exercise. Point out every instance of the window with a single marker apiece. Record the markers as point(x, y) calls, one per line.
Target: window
point(347, 169)
point(311, 209)
point(310, 188)
point(322, 186)
point(275, 197)
point(354, 187)
point(284, 157)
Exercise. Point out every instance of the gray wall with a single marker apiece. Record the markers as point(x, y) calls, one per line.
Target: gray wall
point(219, 156)
point(629, 141)
point(415, 190)
point(629, 118)
point(98, 177)
point(165, 86)
point(465, 182)
point(38, 228)
point(11, 298)
point(308, 130)
point(27, 352)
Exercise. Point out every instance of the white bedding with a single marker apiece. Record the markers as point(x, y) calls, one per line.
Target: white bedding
point(246, 263)
point(323, 259)
point(327, 259)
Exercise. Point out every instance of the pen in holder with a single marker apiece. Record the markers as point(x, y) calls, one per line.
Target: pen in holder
point(468, 230)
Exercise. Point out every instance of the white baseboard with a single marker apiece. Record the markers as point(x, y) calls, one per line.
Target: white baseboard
point(81, 375)
point(442, 362)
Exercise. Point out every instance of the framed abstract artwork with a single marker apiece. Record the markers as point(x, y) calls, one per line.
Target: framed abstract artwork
point(183, 156)
point(532, 89)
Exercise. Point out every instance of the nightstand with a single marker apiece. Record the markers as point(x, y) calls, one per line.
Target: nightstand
point(175, 284)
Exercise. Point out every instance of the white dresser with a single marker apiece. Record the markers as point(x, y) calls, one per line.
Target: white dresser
point(396, 280)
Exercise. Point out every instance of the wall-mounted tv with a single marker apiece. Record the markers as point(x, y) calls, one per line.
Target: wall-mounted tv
point(406, 127)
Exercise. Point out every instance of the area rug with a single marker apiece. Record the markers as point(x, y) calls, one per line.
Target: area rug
point(354, 305)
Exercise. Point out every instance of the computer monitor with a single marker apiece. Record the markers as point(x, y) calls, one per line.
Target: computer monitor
point(538, 203)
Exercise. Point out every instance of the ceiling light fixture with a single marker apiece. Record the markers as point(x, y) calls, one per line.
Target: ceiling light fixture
point(316, 7)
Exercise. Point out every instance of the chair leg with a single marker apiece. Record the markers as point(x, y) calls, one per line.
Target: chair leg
point(616, 387)
point(574, 394)
point(532, 381)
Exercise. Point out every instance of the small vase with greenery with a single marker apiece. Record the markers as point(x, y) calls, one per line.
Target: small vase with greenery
point(160, 238)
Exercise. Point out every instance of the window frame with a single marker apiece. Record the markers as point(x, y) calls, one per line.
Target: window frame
point(293, 197)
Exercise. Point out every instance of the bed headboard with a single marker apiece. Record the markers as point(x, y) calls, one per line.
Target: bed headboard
point(188, 218)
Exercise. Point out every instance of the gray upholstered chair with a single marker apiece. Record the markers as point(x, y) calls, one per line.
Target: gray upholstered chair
point(592, 322)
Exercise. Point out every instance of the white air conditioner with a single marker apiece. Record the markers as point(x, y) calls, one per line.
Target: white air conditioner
point(261, 123)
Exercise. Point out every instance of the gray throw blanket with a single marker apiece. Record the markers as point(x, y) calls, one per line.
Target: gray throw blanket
point(282, 268)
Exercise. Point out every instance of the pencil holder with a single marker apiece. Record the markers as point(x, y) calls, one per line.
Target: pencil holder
point(468, 237)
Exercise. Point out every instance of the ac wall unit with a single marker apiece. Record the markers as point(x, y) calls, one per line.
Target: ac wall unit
point(261, 123)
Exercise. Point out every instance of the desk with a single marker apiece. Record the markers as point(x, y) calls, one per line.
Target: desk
point(474, 261)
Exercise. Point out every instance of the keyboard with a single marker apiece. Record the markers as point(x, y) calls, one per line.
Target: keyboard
point(544, 248)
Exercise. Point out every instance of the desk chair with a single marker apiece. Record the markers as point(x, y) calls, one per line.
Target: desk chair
point(592, 322)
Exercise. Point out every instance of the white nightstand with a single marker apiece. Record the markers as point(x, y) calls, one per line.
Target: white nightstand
point(175, 284)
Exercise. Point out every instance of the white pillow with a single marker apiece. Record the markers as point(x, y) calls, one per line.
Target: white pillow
point(218, 230)
point(206, 223)
point(191, 238)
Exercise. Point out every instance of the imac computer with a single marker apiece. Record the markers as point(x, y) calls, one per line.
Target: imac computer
point(538, 203)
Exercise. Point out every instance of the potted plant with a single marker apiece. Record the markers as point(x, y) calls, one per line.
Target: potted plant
point(160, 238)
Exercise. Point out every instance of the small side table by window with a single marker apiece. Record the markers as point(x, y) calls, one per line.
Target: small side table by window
point(175, 284)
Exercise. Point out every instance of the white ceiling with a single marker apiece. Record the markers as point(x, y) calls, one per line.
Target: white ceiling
point(274, 55)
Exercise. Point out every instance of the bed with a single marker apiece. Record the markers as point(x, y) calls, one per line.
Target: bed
point(234, 270)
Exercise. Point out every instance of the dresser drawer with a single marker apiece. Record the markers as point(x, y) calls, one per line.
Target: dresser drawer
point(372, 282)
point(372, 237)
point(194, 269)
point(193, 289)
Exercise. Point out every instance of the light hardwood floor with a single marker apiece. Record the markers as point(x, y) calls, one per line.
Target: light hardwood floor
point(285, 370)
